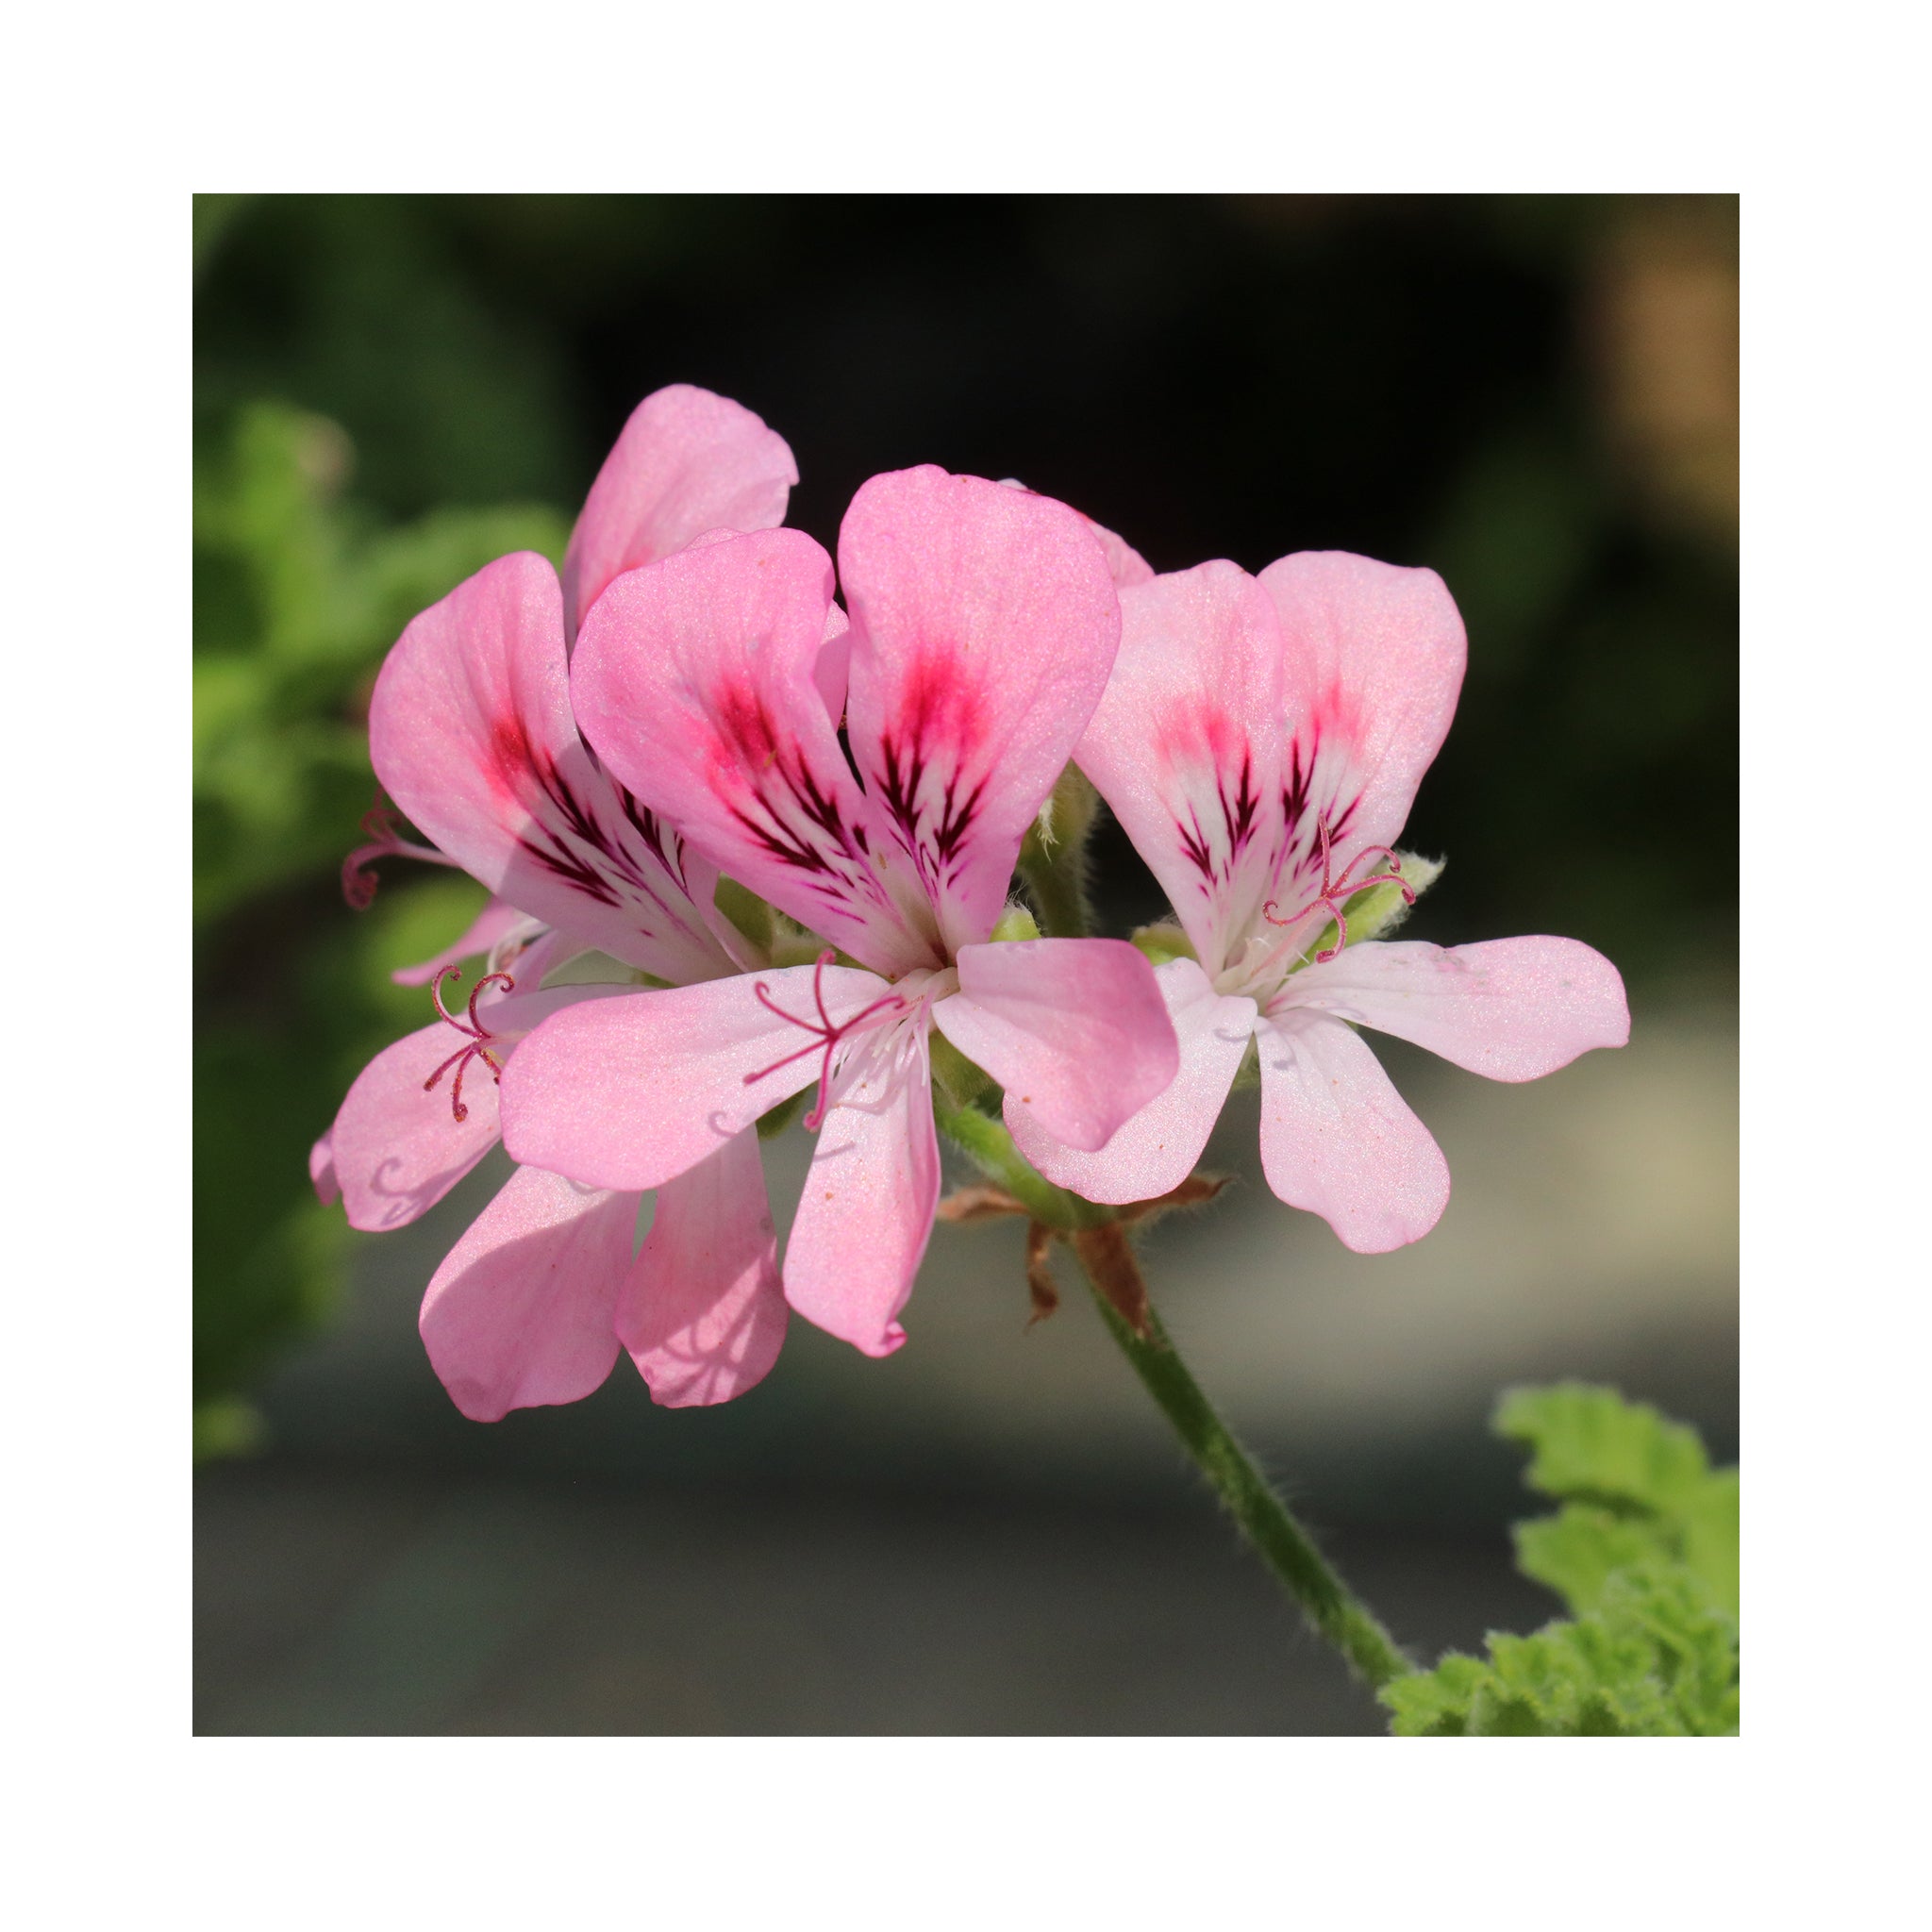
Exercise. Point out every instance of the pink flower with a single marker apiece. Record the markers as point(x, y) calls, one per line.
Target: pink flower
point(471, 733)
point(1261, 742)
point(983, 623)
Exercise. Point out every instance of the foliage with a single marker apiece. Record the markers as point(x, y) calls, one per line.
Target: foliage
point(1644, 1551)
point(298, 593)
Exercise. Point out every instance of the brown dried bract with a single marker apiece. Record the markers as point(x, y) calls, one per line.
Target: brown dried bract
point(1109, 1258)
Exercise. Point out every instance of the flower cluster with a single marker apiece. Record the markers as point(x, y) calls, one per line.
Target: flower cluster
point(775, 834)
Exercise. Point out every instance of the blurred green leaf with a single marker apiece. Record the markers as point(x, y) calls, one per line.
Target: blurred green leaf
point(1591, 1445)
point(299, 593)
point(1649, 1564)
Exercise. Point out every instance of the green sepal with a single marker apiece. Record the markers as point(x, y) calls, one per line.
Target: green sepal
point(774, 1121)
point(956, 1081)
point(1014, 925)
point(746, 910)
point(1163, 943)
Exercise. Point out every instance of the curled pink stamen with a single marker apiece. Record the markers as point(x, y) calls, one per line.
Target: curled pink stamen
point(476, 1033)
point(1334, 889)
point(827, 1033)
point(384, 832)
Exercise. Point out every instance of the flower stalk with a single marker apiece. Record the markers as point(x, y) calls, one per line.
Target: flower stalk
point(1099, 1237)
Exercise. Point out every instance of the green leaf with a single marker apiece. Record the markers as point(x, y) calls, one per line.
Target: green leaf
point(1644, 1551)
point(1577, 1551)
point(1590, 1445)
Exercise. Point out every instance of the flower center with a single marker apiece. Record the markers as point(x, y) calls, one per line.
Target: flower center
point(827, 1033)
point(475, 1036)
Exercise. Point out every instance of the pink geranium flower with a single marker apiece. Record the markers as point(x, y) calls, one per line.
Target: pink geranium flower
point(472, 735)
point(983, 625)
point(1261, 742)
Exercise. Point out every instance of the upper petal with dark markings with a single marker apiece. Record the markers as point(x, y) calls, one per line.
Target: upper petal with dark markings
point(470, 731)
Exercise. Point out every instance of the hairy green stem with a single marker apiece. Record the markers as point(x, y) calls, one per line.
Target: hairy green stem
point(1332, 1609)
point(1059, 893)
point(1106, 1258)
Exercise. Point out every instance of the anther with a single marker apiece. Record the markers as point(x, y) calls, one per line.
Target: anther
point(1335, 890)
point(827, 1033)
point(476, 1032)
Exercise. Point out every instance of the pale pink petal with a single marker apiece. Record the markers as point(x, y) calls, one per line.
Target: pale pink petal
point(983, 628)
point(686, 463)
point(321, 1173)
point(1156, 1151)
point(496, 921)
point(521, 1312)
point(1337, 1139)
point(695, 681)
point(397, 1147)
point(470, 731)
point(834, 665)
point(1514, 1009)
point(703, 1312)
point(867, 1209)
point(1373, 657)
point(629, 1092)
point(1123, 563)
point(1187, 746)
point(1075, 1030)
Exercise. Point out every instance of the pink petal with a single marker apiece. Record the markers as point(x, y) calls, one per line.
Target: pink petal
point(470, 731)
point(630, 1092)
point(1337, 1139)
point(1514, 1009)
point(521, 1313)
point(396, 1148)
point(695, 681)
point(321, 1173)
point(1187, 746)
point(1156, 1150)
point(867, 1209)
point(1123, 563)
point(983, 628)
point(834, 665)
point(688, 461)
point(1075, 1030)
point(703, 1313)
point(498, 919)
point(1373, 662)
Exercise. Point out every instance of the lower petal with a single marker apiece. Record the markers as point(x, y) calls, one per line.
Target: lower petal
point(703, 1312)
point(1075, 1030)
point(630, 1092)
point(397, 1147)
point(399, 1144)
point(867, 1209)
point(1156, 1150)
point(1337, 1139)
point(522, 1313)
point(1514, 1009)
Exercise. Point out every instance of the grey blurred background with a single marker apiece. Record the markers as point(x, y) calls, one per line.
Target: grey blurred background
point(989, 1531)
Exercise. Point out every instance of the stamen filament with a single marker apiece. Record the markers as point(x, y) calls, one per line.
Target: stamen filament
point(476, 1033)
point(1335, 890)
point(826, 1035)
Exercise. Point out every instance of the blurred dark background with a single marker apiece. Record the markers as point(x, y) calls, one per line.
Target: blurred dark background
point(1536, 397)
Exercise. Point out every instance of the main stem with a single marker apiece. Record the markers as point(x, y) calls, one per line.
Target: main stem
point(1328, 1603)
point(1100, 1239)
